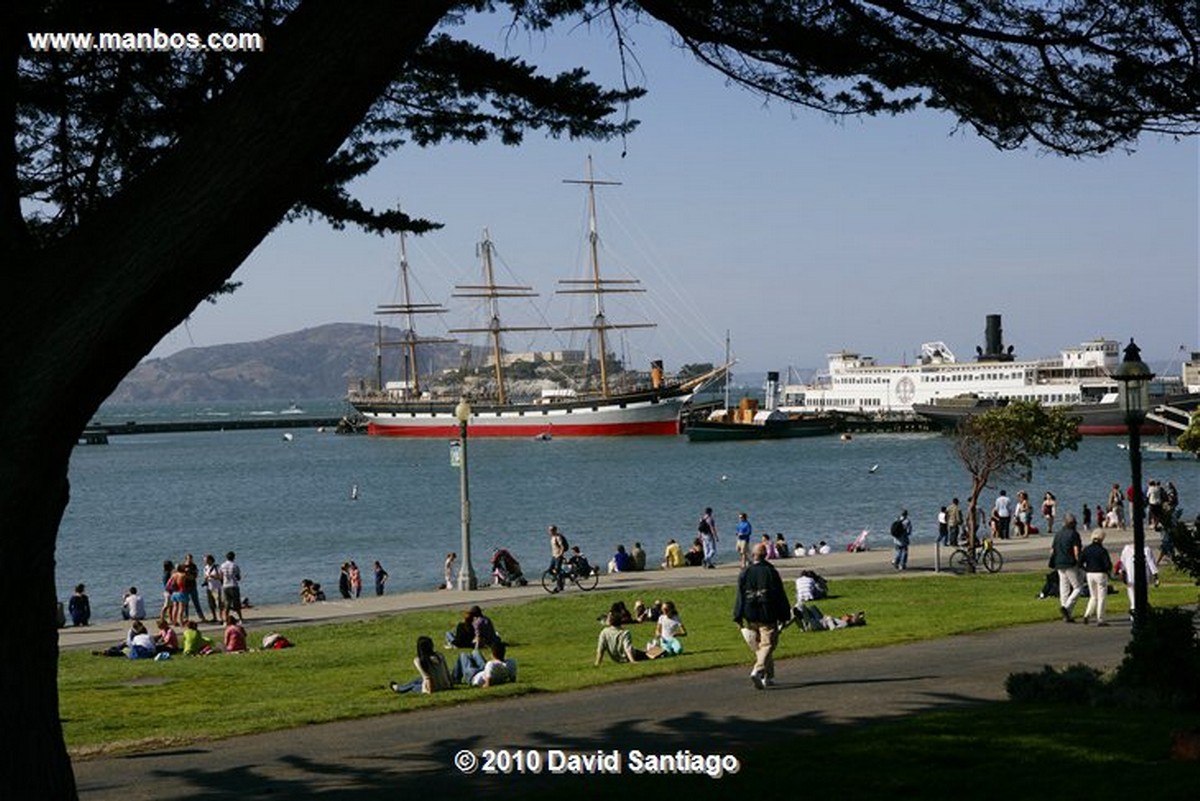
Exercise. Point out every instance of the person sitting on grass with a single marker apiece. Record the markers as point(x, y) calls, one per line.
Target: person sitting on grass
point(140, 643)
point(474, 670)
point(433, 676)
point(195, 643)
point(167, 641)
point(668, 629)
point(616, 641)
point(235, 635)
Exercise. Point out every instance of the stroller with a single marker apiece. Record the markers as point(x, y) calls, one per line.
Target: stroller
point(506, 570)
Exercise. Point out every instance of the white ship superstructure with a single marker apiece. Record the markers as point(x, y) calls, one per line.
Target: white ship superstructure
point(856, 383)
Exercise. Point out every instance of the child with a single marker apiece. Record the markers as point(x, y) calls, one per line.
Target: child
point(195, 643)
point(80, 607)
point(448, 571)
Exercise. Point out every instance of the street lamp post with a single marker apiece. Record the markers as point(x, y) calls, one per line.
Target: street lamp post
point(466, 573)
point(1134, 377)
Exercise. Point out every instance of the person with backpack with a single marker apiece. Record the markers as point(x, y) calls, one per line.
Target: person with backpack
point(901, 535)
point(760, 610)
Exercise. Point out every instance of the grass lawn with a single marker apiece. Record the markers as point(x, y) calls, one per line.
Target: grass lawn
point(341, 671)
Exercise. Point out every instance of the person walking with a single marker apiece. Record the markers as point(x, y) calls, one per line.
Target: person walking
point(1131, 577)
point(901, 532)
point(1097, 565)
point(707, 529)
point(760, 609)
point(743, 532)
point(1064, 557)
point(344, 581)
point(943, 537)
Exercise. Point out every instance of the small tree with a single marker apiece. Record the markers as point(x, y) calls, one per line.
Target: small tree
point(1006, 442)
point(1189, 440)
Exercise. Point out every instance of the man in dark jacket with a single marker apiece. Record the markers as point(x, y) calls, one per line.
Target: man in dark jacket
point(760, 611)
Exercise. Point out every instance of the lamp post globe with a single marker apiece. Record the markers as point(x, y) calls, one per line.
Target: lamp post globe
point(1134, 377)
point(466, 572)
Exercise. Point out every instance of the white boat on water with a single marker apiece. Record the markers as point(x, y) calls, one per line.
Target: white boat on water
point(611, 407)
point(940, 386)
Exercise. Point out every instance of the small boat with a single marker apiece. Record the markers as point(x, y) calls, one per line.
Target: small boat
point(749, 422)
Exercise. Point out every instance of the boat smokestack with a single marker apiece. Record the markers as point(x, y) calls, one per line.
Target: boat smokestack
point(772, 390)
point(656, 373)
point(994, 343)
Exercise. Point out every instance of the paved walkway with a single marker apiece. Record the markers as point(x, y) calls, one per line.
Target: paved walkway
point(386, 756)
point(1019, 555)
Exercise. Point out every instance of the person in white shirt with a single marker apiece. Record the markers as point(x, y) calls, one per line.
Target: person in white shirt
point(134, 606)
point(1131, 577)
point(1003, 510)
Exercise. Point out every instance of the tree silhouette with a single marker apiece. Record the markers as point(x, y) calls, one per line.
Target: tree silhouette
point(138, 181)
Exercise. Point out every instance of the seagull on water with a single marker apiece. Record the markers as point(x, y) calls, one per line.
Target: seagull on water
point(873, 468)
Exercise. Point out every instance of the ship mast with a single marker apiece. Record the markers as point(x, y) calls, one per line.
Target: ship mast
point(492, 292)
point(408, 339)
point(597, 286)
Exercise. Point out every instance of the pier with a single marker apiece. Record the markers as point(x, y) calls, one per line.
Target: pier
point(98, 433)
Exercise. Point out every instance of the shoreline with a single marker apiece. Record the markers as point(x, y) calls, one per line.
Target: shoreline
point(1020, 556)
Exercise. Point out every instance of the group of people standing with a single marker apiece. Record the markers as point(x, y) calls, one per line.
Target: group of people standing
point(181, 590)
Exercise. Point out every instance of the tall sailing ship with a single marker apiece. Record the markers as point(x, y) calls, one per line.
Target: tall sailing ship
point(406, 408)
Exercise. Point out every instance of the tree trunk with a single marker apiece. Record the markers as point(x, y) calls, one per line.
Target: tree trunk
point(90, 306)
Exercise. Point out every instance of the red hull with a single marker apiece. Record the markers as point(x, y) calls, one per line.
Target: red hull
point(649, 428)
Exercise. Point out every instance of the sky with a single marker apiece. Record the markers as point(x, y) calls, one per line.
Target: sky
point(796, 234)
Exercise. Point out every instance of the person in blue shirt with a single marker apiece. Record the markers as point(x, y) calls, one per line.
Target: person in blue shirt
point(743, 531)
point(622, 561)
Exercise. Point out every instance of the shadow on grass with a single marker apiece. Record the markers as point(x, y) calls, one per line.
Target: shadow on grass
point(993, 750)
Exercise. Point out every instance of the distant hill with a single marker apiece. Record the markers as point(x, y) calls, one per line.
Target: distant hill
point(314, 363)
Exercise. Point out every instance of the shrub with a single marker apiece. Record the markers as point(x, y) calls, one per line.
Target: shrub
point(1162, 660)
point(1076, 684)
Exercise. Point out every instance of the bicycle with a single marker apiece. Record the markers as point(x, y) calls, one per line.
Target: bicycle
point(584, 580)
point(987, 554)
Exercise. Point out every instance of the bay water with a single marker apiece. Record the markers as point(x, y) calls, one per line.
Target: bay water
point(285, 504)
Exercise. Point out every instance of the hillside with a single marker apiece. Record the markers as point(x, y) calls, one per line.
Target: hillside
point(313, 363)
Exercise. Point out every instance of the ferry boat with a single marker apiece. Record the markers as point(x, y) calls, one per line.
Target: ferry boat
point(943, 389)
point(651, 406)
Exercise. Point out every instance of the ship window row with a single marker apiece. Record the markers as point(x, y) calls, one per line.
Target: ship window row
point(938, 379)
point(841, 403)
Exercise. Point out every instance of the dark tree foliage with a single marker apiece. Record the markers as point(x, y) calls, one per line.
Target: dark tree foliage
point(137, 182)
point(1074, 76)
